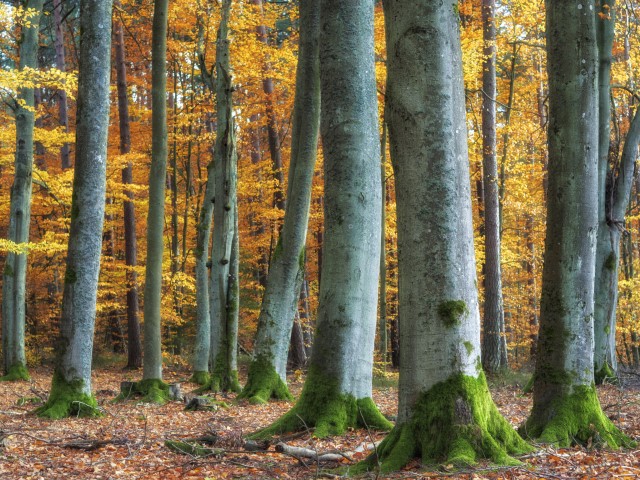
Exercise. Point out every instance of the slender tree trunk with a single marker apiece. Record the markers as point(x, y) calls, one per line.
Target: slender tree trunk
point(337, 390)
point(14, 276)
point(152, 365)
point(565, 404)
point(272, 126)
point(382, 295)
point(492, 340)
point(297, 351)
point(267, 373)
point(445, 410)
point(71, 385)
point(62, 94)
point(134, 343)
point(223, 297)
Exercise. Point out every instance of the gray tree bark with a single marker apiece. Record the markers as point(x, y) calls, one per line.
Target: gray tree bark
point(268, 370)
point(614, 191)
point(62, 94)
point(492, 340)
point(565, 404)
point(71, 385)
point(14, 275)
point(152, 364)
point(223, 296)
point(445, 410)
point(337, 390)
point(134, 342)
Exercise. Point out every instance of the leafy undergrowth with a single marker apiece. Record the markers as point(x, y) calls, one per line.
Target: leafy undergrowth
point(134, 435)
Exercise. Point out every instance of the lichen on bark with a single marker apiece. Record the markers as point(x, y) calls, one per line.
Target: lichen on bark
point(454, 422)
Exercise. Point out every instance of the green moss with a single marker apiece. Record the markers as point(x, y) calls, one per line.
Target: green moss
point(68, 399)
point(264, 383)
point(223, 379)
point(454, 422)
point(575, 418)
point(451, 312)
point(15, 373)
point(528, 387)
point(605, 374)
point(8, 270)
point(611, 262)
point(191, 448)
point(301, 259)
point(322, 405)
point(70, 275)
point(151, 390)
point(469, 347)
point(200, 377)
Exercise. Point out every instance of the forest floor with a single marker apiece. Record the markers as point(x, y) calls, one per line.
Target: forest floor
point(134, 435)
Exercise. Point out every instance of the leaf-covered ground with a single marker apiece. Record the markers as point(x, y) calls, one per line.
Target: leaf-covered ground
point(133, 436)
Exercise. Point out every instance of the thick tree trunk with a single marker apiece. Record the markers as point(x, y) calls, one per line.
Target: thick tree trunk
point(267, 373)
point(337, 391)
point(134, 343)
point(71, 385)
point(445, 410)
point(152, 365)
point(565, 405)
point(14, 276)
point(62, 94)
point(492, 340)
point(224, 251)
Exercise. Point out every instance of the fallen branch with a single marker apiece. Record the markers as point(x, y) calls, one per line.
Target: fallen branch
point(300, 452)
point(94, 444)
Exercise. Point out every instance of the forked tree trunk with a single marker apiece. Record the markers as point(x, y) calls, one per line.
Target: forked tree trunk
point(337, 390)
point(14, 275)
point(566, 408)
point(134, 343)
point(268, 370)
point(71, 385)
point(445, 410)
point(223, 298)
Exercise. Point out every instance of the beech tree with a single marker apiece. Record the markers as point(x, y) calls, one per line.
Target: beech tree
point(445, 411)
point(494, 353)
point(566, 408)
point(224, 286)
point(337, 390)
point(268, 370)
point(14, 275)
point(614, 191)
point(71, 385)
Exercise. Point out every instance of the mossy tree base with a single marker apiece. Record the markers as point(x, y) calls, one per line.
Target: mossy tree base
point(575, 419)
point(200, 378)
point(221, 383)
point(67, 399)
point(606, 375)
point(151, 390)
point(264, 384)
point(322, 406)
point(16, 373)
point(455, 422)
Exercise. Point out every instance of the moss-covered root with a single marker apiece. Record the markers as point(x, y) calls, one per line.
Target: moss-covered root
point(264, 384)
point(68, 399)
point(606, 375)
point(191, 448)
point(200, 378)
point(16, 373)
point(455, 422)
point(322, 406)
point(151, 390)
point(575, 419)
point(219, 382)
